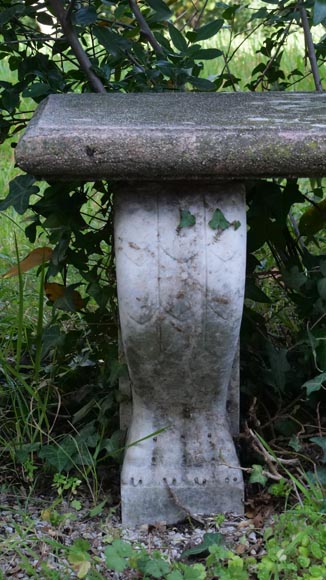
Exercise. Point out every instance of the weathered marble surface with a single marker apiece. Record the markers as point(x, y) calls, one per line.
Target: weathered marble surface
point(180, 301)
point(177, 136)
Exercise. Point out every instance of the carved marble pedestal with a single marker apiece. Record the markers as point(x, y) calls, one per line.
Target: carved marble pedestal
point(180, 290)
point(180, 297)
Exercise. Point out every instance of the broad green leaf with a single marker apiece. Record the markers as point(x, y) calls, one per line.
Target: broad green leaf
point(195, 572)
point(257, 475)
point(44, 18)
point(160, 7)
point(177, 38)
point(112, 42)
point(20, 190)
point(256, 294)
point(153, 567)
point(85, 16)
point(319, 11)
point(81, 545)
point(97, 510)
point(187, 219)
point(9, 13)
point(314, 384)
point(174, 575)
point(219, 221)
point(202, 84)
point(208, 30)
point(201, 549)
point(207, 54)
point(37, 90)
point(117, 555)
point(22, 453)
point(79, 558)
point(76, 504)
point(294, 278)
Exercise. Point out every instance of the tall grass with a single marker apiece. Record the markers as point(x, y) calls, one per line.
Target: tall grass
point(245, 49)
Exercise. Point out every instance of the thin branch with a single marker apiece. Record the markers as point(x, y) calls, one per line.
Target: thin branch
point(310, 47)
point(144, 28)
point(275, 55)
point(200, 15)
point(270, 459)
point(63, 17)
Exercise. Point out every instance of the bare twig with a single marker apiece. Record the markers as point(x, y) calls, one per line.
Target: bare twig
point(270, 460)
point(200, 15)
point(144, 28)
point(63, 17)
point(177, 502)
point(310, 47)
point(275, 55)
point(226, 66)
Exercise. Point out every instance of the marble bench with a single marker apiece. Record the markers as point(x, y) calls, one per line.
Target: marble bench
point(179, 159)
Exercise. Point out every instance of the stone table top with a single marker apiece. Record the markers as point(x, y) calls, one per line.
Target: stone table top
point(151, 136)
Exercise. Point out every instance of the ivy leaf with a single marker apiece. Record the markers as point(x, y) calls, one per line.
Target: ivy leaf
point(187, 219)
point(319, 11)
point(52, 338)
point(59, 456)
point(257, 475)
point(219, 221)
point(20, 190)
point(202, 549)
point(314, 384)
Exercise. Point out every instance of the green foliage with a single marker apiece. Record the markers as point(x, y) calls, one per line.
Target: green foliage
point(202, 548)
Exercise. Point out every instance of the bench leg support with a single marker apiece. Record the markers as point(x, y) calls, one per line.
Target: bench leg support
point(180, 292)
